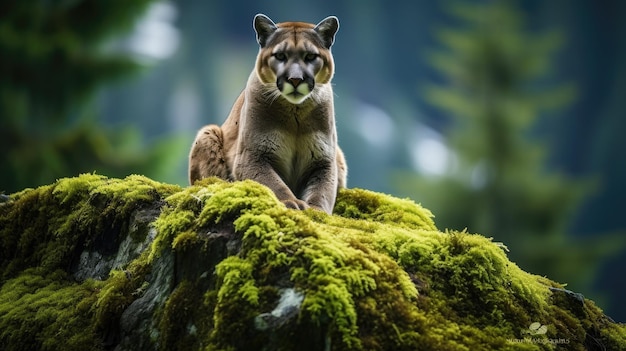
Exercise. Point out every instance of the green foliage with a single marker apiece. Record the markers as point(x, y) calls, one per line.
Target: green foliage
point(53, 57)
point(494, 94)
point(369, 282)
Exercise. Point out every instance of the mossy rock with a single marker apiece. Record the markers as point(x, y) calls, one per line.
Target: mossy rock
point(92, 263)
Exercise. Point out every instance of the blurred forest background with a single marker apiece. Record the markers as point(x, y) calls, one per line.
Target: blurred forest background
point(502, 117)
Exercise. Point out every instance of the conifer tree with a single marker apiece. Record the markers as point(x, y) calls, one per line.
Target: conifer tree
point(53, 57)
point(494, 93)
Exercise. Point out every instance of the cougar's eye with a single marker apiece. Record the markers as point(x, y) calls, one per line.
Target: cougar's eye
point(280, 56)
point(310, 57)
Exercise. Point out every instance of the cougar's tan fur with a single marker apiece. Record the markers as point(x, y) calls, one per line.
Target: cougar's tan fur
point(281, 130)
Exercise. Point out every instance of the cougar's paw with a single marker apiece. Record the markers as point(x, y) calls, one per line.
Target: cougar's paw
point(296, 204)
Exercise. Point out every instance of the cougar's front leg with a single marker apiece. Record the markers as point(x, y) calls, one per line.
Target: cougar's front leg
point(321, 186)
point(207, 158)
point(254, 164)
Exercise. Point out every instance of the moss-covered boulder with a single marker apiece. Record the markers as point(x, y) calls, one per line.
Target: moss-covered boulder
point(92, 263)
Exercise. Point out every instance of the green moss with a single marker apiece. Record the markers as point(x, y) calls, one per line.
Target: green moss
point(376, 275)
point(182, 311)
point(47, 311)
point(44, 230)
point(368, 205)
point(118, 292)
point(50, 226)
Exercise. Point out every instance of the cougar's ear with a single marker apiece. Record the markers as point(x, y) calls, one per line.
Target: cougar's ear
point(327, 29)
point(264, 27)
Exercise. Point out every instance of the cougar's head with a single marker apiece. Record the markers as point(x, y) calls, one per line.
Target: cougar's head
point(295, 56)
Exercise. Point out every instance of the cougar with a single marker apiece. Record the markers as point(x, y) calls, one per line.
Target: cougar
point(281, 130)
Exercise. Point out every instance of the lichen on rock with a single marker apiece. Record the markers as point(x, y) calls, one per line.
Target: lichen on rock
point(92, 263)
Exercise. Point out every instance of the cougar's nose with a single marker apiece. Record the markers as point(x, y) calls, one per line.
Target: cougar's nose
point(295, 82)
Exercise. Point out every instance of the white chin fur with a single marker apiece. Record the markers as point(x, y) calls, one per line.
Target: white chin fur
point(295, 96)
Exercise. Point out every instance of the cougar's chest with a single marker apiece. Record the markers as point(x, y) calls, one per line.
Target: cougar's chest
point(295, 139)
point(296, 154)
